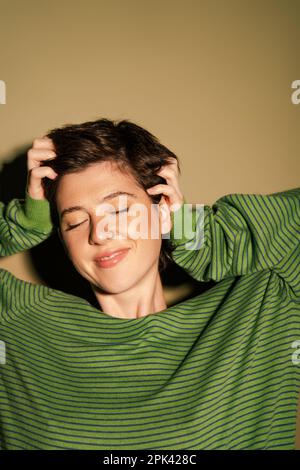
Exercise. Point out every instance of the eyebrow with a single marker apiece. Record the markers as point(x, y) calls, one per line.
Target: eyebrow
point(109, 196)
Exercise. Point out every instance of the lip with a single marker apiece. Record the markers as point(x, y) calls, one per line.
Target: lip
point(108, 263)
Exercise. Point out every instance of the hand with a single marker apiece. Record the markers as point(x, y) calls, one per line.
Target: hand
point(171, 194)
point(42, 149)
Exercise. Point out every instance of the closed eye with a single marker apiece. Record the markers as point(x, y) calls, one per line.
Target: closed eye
point(117, 212)
point(70, 227)
point(123, 210)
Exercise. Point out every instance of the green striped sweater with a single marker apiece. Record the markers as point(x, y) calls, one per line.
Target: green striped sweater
point(216, 371)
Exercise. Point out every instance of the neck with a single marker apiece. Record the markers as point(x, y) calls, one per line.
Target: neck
point(144, 298)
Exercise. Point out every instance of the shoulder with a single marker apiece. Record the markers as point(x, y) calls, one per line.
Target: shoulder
point(15, 293)
point(19, 298)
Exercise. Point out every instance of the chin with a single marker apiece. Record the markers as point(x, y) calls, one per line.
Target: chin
point(111, 283)
point(110, 289)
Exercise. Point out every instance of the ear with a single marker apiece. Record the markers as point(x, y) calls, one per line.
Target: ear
point(164, 216)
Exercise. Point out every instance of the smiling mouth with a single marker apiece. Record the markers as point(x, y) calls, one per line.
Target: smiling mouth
point(115, 258)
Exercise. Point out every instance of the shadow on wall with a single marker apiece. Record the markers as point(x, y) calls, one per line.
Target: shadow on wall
point(50, 260)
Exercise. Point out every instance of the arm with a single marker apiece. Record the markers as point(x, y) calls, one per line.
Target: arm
point(243, 234)
point(24, 223)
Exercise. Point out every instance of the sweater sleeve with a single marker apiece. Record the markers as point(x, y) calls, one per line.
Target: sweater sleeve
point(24, 223)
point(240, 234)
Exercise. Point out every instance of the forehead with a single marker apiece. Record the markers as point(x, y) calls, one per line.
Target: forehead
point(96, 181)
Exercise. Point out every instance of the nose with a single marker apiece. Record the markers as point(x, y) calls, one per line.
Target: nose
point(98, 232)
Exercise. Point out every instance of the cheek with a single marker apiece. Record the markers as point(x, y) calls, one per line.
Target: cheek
point(149, 249)
point(73, 247)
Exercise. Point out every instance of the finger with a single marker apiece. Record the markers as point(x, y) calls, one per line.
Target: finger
point(35, 156)
point(167, 171)
point(37, 173)
point(172, 165)
point(34, 181)
point(43, 142)
point(170, 175)
point(171, 178)
point(168, 191)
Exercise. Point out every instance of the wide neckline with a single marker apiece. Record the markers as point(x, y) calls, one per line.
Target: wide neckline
point(106, 316)
point(96, 312)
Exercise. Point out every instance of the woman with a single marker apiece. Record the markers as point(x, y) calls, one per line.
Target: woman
point(212, 372)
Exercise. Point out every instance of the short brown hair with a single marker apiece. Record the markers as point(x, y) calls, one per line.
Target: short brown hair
point(131, 147)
